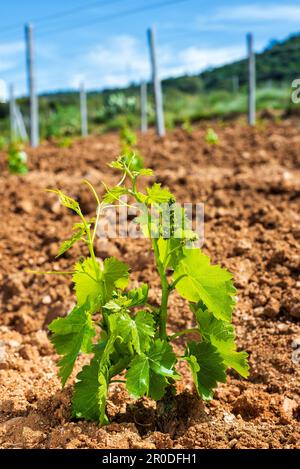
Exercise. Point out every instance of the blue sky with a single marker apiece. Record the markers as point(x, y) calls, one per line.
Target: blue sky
point(104, 43)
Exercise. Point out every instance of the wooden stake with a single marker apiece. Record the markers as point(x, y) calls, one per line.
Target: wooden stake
point(34, 124)
point(160, 123)
point(251, 81)
point(12, 114)
point(144, 120)
point(83, 111)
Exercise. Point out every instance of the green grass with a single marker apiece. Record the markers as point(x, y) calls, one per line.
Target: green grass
point(62, 119)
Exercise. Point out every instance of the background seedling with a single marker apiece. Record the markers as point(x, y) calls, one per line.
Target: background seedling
point(17, 159)
point(129, 150)
point(64, 142)
point(187, 125)
point(212, 137)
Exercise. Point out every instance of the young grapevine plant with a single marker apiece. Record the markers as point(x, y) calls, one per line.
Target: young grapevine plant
point(212, 137)
point(127, 336)
point(128, 148)
point(17, 159)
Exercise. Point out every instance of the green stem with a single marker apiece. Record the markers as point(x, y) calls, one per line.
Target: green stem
point(165, 287)
point(185, 331)
point(92, 190)
point(134, 186)
point(91, 187)
point(134, 192)
point(90, 246)
point(122, 180)
point(173, 285)
point(117, 368)
point(96, 221)
point(165, 291)
point(89, 241)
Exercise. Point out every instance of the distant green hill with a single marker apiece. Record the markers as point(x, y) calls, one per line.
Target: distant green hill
point(188, 98)
point(279, 62)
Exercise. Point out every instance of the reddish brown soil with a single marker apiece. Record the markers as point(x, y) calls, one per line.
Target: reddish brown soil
point(250, 186)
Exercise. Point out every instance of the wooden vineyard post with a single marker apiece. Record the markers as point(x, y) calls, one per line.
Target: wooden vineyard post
point(160, 123)
point(83, 111)
point(144, 120)
point(251, 81)
point(20, 125)
point(12, 113)
point(34, 124)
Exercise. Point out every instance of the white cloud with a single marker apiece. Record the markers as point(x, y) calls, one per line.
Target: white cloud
point(124, 59)
point(6, 65)
point(267, 13)
point(10, 55)
point(239, 19)
point(11, 48)
point(114, 63)
point(194, 59)
point(119, 60)
point(77, 79)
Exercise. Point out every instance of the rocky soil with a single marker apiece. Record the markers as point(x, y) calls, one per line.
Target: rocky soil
point(250, 185)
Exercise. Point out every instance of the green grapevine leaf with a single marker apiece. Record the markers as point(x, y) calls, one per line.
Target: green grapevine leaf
point(222, 335)
point(66, 245)
point(145, 172)
point(134, 161)
point(120, 325)
point(137, 377)
point(157, 195)
point(116, 305)
point(152, 367)
point(71, 335)
point(195, 368)
point(115, 274)
point(157, 386)
point(207, 367)
point(114, 193)
point(87, 280)
point(144, 323)
point(138, 296)
point(122, 302)
point(92, 281)
point(162, 358)
point(203, 281)
point(67, 201)
point(90, 393)
point(137, 331)
point(117, 164)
